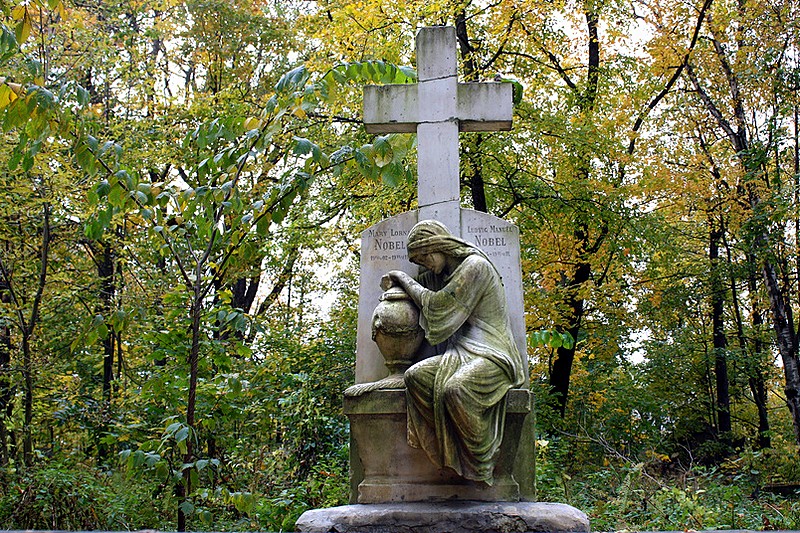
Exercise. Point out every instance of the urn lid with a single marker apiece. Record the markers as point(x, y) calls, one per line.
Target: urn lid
point(394, 293)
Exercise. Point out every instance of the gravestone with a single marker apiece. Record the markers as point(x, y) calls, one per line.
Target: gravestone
point(383, 248)
point(437, 108)
point(385, 470)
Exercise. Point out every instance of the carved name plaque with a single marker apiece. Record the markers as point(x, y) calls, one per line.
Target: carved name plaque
point(383, 248)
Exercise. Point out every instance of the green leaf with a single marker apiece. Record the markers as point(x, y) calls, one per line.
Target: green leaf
point(27, 162)
point(16, 157)
point(383, 151)
point(172, 428)
point(23, 28)
point(235, 384)
point(94, 229)
point(338, 76)
point(302, 146)
point(263, 224)
point(102, 189)
point(8, 43)
point(162, 469)
point(187, 507)
point(292, 80)
point(406, 75)
point(567, 340)
point(151, 459)
point(117, 196)
point(556, 341)
point(393, 174)
point(181, 434)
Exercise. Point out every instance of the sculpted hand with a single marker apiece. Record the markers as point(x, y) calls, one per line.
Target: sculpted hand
point(387, 282)
point(394, 278)
point(398, 278)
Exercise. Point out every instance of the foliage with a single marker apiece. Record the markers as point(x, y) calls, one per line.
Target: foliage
point(655, 492)
point(70, 496)
point(182, 194)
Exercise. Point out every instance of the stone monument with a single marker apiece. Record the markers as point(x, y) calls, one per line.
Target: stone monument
point(397, 482)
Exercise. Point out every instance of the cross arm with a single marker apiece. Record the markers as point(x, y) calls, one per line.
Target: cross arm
point(480, 107)
point(390, 108)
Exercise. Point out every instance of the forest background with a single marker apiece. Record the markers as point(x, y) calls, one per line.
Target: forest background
point(183, 187)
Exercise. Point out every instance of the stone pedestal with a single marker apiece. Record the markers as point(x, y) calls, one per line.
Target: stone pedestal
point(449, 517)
point(384, 468)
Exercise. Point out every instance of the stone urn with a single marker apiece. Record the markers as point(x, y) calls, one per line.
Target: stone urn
point(396, 330)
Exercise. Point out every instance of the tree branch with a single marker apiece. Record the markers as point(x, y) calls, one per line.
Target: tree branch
point(677, 74)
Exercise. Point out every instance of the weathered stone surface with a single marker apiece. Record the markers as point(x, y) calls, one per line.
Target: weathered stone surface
point(445, 517)
point(384, 468)
point(499, 240)
point(383, 248)
point(437, 108)
point(438, 97)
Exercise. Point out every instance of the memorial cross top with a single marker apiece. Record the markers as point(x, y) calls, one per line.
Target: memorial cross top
point(437, 108)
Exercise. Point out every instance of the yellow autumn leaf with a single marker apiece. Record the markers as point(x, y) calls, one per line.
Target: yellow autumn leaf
point(23, 29)
point(62, 11)
point(16, 88)
point(251, 123)
point(6, 95)
point(18, 13)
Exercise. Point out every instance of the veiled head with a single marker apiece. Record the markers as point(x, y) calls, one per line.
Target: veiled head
point(431, 236)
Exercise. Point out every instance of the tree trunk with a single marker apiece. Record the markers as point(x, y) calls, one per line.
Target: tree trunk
point(787, 344)
point(562, 365)
point(6, 383)
point(194, 353)
point(27, 400)
point(244, 292)
point(105, 271)
point(759, 391)
point(720, 342)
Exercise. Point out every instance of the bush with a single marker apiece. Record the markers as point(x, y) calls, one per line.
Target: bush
point(656, 493)
point(65, 495)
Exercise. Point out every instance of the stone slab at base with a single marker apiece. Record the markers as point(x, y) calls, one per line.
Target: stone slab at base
point(384, 468)
point(446, 517)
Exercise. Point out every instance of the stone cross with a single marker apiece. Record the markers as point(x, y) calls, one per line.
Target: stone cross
point(383, 467)
point(437, 108)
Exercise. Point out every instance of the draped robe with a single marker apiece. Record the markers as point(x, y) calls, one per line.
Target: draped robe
point(456, 400)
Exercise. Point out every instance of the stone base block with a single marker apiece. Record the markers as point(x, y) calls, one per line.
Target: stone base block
point(446, 517)
point(384, 468)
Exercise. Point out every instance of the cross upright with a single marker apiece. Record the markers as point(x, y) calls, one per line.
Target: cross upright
point(437, 108)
